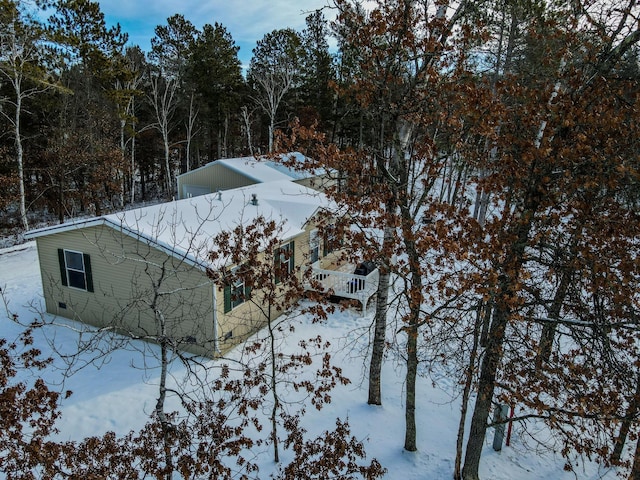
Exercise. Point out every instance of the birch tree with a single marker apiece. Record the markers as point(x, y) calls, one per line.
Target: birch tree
point(127, 88)
point(22, 65)
point(163, 100)
point(274, 71)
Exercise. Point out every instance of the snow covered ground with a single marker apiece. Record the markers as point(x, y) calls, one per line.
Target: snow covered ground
point(116, 394)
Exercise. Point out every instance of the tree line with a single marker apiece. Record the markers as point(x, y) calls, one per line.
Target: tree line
point(93, 123)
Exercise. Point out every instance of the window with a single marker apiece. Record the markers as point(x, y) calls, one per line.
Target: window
point(314, 246)
point(75, 270)
point(284, 261)
point(331, 240)
point(236, 292)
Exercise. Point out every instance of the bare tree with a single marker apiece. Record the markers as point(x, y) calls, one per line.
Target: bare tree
point(274, 71)
point(21, 63)
point(190, 129)
point(246, 122)
point(163, 100)
point(126, 90)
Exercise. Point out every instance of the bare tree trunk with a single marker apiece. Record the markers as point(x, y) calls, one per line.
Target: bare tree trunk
point(193, 114)
point(121, 170)
point(375, 397)
point(167, 166)
point(494, 350)
point(635, 469)
point(380, 321)
point(61, 199)
point(487, 314)
point(20, 159)
point(625, 427)
point(272, 128)
point(247, 125)
point(274, 391)
point(549, 328)
point(443, 183)
point(468, 382)
point(414, 299)
point(164, 104)
point(482, 200)
point(486, 386)
point(164, 422)
point(133, 165)
point(225, 137)
point(410, 443)
point(20, 49)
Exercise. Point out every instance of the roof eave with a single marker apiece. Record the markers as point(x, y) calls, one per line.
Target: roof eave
point(101, 221)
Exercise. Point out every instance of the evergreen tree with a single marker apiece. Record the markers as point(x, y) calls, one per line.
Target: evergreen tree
point(214, 73)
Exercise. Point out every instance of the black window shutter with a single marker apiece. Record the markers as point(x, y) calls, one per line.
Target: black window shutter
point(292, 259)
point(63, 267)
point(227, 298)
point(277, 264)
point(87, 272)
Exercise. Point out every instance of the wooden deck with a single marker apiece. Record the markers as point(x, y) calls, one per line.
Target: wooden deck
point(343, 284)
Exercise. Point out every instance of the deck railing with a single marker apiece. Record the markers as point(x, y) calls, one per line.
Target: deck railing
point(344, 285)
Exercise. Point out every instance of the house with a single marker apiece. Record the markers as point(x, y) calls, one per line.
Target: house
point(146, 272)
point(230, 173)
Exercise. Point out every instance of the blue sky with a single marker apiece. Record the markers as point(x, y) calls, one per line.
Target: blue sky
point(247, 21)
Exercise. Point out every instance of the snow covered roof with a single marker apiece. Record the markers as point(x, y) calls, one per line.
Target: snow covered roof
point(184, 228)
point(265, 170)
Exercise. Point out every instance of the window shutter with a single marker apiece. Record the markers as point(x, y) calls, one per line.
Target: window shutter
point(247, 292)
point(227, 298)
point(63, 267)
point(292, 258)
point(87, 272)
point(277, 264)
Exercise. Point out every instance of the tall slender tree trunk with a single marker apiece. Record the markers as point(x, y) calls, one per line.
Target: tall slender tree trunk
point(549, 328)
point(635, 469)
point(190, 123)
point(468, 382)
point(510, 271)
point(167, 166)
point(380, 321)
point(246, 118)
point(61, 199)
point(486, 387)
point(625, 427)
point(415, 296)
point(225, 137)
point(162, 393)
point(162, 417)
point(274, 390)
point(133, 165)
point(122, 168)
point(410, 442)
point(162, 335)
point(20, 159)
point(272, 128)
